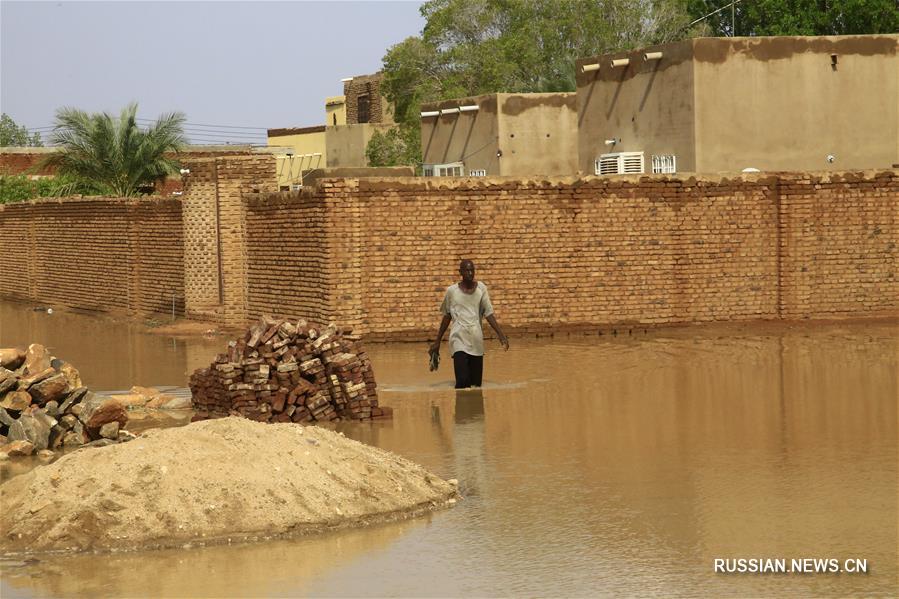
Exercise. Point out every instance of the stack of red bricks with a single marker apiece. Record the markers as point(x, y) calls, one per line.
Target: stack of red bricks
point(284, 372)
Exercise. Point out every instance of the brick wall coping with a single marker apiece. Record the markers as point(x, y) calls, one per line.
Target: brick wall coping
point(700, 179)
point(92, 199)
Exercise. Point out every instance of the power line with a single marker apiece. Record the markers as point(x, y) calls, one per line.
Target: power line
point(186, 124)
point(216, 126)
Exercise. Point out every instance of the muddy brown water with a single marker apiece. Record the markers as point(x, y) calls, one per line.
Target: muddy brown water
point(590, 466)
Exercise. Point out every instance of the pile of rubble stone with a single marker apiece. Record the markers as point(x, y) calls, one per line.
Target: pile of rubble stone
point(284, 372)
point(44, 406)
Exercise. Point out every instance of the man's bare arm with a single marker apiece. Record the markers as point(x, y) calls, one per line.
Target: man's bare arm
point(435, 347)
point(499, 332)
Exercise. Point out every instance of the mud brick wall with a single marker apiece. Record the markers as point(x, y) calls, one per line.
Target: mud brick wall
point(579, 254)
point(99, 254)
point(563, 254)
point(839, 236)
point(369, 85)
point(215, 267)
point(288, 266)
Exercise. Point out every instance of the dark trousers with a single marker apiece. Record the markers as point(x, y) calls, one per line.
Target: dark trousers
point(469, 369)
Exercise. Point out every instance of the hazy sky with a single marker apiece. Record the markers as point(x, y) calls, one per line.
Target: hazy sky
point(224, 64)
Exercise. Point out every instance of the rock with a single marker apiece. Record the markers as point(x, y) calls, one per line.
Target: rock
point(72, 398)
point(16, 449)
point(131, 400)
point(28, 381)
point(37, 359)
point(16, 400)
point(68, 421)
point(11, 357)
point(8, 381)
point(3, 440)
point(177, 403)
point(148, 392)
point(126, 436)
point(72, 375)
point(57, 433)
point(73, 439)
point(32, 429)
point(98, 410)
point(5, 417)
point(110, 430)
point(162, 400)
point(52, 408)
point(45, 455)
point(53, 388)
point(44, 417)
point(100, 443)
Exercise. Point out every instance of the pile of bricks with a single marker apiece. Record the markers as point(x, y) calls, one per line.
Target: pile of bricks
point(284, 372)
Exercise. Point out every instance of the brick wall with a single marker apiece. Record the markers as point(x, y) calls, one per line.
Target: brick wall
point(96, 254)
point(580, 254)
point(23, 161)
point(558, 254)
point(839, 234)
point(288, 266)
point(369, 85)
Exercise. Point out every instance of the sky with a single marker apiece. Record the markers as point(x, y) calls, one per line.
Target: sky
point(234, 68)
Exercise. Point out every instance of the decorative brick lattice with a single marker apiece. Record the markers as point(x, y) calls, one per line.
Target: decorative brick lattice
point(201, 273)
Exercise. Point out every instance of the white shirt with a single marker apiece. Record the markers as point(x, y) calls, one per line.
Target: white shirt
point(467, 310)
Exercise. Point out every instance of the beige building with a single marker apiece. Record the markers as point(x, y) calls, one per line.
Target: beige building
point(350, 122)
point(500, 134)
point(303, 149)
point(728, 104)
point(335, 111)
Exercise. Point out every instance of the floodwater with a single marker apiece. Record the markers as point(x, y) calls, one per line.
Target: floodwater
point(590, 466)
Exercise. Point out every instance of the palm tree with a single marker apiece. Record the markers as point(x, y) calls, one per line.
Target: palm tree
point(113, 154)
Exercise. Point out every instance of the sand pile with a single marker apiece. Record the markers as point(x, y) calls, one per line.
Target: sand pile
point(210, 481)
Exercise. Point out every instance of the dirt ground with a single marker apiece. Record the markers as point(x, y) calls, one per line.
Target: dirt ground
point(210, 482)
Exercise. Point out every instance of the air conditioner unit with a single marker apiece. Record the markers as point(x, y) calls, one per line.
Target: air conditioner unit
point(619, 163)
point(295, 187)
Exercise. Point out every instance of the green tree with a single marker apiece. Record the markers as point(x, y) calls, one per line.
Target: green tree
point(798, 17)
point(114, 154)
point(11, 134)
point(470, 47)
point(397, 146)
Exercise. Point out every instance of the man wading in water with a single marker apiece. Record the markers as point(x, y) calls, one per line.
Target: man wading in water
point(465, 303)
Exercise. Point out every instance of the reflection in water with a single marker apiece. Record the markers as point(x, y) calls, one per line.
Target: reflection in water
point(247, 570)
point(108, 354)
point(595, 466)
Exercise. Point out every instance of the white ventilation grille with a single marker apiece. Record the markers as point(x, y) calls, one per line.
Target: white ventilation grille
point(619, 163)
point(451, 169)
point(666, 163)
point(478, 172)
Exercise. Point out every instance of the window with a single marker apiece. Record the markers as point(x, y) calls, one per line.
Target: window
point(363, 109)
point(666, 163)
point(478, 172)
point(619, 163)
point(451, 169)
